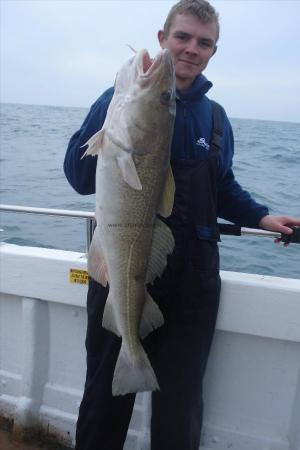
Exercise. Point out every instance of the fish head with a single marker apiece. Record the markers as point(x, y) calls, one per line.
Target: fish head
point(145, 92)
point(156, 80)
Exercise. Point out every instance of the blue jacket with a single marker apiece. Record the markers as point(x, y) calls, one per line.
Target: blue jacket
point(192, 133)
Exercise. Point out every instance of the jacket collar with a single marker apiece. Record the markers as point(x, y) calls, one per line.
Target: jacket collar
point(198, 89)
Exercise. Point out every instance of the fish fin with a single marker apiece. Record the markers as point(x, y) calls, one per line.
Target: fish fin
point(97, 268)
point(133, 375)
point(152, 317)
point(162, 245)
point(109, 318)
point(128, 170)
point(94, 144)
point(167, 198)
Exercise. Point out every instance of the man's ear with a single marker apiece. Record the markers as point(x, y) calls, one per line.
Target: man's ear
point(215, 49)
point(161, 38)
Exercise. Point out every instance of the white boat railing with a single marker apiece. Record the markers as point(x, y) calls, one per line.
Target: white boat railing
point(229, 229)
point(89, 216)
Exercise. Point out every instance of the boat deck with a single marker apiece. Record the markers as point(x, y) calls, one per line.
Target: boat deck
point(8, 443)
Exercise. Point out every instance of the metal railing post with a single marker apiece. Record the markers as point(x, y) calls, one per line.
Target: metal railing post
point(90, 226)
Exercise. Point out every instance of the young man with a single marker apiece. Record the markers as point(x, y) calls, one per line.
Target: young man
point(188, 291)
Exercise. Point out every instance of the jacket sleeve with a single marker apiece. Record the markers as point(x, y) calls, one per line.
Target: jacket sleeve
point(81, 172)
point(234, 203)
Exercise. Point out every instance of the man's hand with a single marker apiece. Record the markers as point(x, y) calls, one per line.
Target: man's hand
point(281, 224)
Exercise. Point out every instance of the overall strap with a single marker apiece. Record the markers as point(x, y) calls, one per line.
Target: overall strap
point(217, 131)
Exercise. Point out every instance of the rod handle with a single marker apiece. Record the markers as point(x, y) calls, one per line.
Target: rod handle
point(293, 238)
point(229, 229)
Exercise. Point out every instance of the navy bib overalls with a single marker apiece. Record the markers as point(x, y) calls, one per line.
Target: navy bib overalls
point(188, 295)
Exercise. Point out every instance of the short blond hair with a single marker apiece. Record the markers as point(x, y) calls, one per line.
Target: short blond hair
point(201, 9)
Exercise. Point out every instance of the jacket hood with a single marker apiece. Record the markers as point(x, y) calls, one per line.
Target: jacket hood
point(198, 89)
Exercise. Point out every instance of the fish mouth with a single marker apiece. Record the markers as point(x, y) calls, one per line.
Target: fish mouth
point(147, 65)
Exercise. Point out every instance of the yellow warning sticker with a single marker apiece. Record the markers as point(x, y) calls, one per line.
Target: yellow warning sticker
point(78, 276)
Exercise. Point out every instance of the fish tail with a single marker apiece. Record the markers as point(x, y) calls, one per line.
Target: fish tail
point(133, 375)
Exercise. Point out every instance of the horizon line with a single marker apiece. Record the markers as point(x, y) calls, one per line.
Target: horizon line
point(88, 107)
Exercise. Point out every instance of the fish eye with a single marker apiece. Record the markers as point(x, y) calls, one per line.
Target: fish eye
point(166, 97)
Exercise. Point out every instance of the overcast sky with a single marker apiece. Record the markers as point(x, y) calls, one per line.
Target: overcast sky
point(66, 52)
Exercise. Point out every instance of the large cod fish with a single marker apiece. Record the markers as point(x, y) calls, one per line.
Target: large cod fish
point(134, 183)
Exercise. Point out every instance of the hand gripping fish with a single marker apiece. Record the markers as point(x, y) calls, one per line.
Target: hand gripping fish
point(134, 183)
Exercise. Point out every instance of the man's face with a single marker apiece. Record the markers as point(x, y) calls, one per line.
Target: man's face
point(192, 44)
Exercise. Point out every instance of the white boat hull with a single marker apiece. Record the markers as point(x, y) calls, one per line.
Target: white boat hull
point(252, 384)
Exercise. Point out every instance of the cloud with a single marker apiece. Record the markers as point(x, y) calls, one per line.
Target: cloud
point(68, 52)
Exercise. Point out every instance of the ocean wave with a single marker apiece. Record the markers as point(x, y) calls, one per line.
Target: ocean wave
point(33, 145)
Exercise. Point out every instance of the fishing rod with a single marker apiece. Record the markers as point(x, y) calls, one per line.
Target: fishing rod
point(236, 230)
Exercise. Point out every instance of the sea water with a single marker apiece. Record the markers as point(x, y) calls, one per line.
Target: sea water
point(33, 145)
